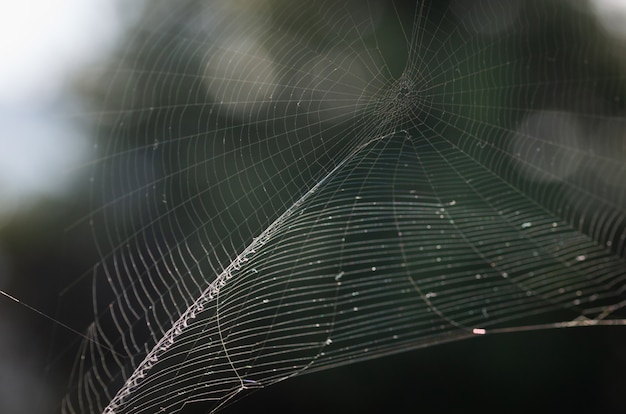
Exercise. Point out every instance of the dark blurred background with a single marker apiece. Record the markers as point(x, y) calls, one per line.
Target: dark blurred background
point(59, 79)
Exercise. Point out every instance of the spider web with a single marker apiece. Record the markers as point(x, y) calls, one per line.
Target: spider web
point(280, 188)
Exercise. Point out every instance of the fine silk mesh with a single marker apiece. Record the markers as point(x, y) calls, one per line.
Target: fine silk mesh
point(282, 187)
